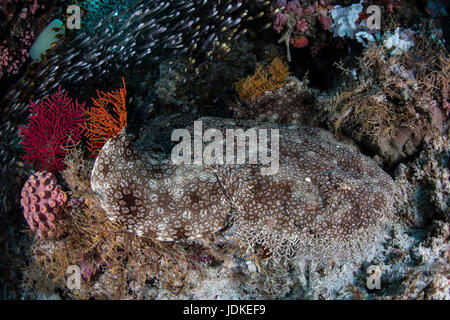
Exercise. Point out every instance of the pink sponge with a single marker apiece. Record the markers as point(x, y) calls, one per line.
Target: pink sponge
point(42, 201)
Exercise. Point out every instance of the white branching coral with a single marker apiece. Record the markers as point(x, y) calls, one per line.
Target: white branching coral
point(326, 201)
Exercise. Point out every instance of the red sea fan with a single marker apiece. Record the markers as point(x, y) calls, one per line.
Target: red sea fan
point(52, 122)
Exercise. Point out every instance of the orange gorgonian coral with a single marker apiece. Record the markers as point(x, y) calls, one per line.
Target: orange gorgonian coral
point(255, 85)
point(105, 119)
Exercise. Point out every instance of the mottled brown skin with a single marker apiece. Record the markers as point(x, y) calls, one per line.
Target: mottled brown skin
point(325, 195)
point(163, 201)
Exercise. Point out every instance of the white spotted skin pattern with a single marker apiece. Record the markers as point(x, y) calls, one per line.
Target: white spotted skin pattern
point(166, 202)
point(324, 190)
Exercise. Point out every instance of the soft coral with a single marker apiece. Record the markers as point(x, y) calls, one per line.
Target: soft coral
point(52, 123)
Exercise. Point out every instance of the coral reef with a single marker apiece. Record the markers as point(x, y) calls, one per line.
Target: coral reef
point(15, 45)
point(425, 184)
point(298, 22)
point(112, 263)
point(394, 103)
point(137, 34)
point(43, 202)
point(137, 224)
point(321, 203)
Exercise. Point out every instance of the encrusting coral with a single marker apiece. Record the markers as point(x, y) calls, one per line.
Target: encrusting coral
point(326, 201)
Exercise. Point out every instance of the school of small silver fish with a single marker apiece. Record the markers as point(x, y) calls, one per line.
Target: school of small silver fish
point(145, 30)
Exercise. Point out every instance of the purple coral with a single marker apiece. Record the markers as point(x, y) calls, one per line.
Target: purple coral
point(309, 10)
point(12, 59)
point(325, 21)
point(279, 22)
point(302, 25)
point(89, 269)
point(279, 17)
point(30, 6)
point(15, 46)
point(295, 8)
point(42, 202)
